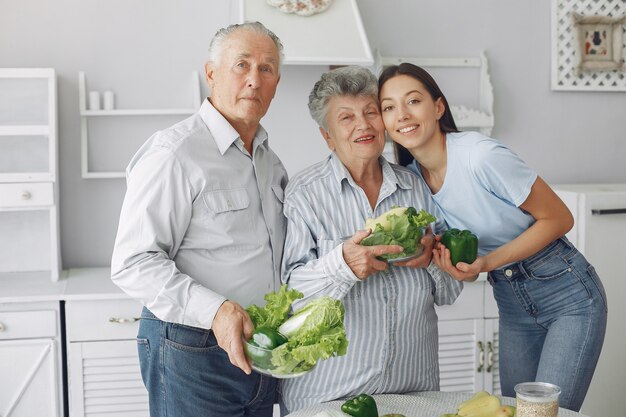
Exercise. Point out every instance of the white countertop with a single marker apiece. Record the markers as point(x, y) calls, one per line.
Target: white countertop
point(414, 404)
point(74, 284)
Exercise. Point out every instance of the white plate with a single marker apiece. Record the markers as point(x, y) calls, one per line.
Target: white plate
point(280, 376)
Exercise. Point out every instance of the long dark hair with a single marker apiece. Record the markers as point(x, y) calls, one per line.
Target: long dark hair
point(446, 122)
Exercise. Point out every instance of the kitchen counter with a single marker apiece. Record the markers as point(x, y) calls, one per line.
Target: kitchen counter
point(24, 287)
point(74, 284)
point(91, 284)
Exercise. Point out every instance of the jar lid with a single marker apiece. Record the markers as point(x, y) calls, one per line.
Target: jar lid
point(542, 392)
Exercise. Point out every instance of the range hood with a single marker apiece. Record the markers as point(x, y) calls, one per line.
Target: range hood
point(333, 37)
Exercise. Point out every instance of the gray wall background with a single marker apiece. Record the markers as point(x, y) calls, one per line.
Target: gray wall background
point(145, 50)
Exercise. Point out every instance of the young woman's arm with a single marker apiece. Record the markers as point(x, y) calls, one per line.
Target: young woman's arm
point(552, 220)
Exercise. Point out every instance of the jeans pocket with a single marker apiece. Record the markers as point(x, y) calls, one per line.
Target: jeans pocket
point(143, 348)
point(190, 339)
point(597, 284)
point(552, 266)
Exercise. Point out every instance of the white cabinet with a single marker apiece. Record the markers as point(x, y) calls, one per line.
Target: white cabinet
point(29, 220)
point(30, 360)
point(103, 366)
point(599, 229)
point(86, 113)
point(468, 341)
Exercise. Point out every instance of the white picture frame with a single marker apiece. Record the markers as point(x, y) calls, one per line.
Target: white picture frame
point(567, 71)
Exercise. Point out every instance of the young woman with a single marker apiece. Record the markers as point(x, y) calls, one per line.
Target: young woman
point(552, 305)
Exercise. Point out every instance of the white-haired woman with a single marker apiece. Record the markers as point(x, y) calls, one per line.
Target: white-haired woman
point(390, 317)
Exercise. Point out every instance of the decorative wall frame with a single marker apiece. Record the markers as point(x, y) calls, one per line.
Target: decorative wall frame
point(600, 42)
point(572, 67)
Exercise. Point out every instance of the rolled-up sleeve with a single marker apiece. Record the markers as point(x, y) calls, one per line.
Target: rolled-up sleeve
point(155, 216)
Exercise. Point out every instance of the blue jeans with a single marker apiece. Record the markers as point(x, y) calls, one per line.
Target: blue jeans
point(553, 313)
point(188, 375)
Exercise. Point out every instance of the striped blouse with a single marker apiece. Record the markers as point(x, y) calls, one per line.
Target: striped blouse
point(390, 321)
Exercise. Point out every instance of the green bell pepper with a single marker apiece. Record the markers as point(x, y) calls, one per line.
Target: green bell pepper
point(267, 338)
point(463, 245)
point(259, 347)
point(360, 406)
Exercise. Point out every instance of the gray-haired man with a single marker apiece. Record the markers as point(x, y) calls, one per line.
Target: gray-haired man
point(201, 234)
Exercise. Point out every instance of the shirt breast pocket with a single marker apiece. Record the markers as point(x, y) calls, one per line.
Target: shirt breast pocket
point(228, 209)
point(220, 201)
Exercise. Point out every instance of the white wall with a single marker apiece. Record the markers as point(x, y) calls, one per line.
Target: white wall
point(145, 50)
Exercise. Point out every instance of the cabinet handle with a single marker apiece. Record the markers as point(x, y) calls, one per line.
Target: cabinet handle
point(481, 357)
point(26, 195)
point(489, 356)
point(2, 328)
point(123, 319)
point(601, 212)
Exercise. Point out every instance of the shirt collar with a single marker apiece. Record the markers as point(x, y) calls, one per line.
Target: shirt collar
point(390, 180)
point(223, 133)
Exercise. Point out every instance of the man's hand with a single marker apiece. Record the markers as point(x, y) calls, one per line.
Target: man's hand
point(230, 322)
point(422, 261)
point(362, 259)
point(461, 271)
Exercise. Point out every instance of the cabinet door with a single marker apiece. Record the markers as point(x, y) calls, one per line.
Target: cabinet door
point(491, 374)
point(459, 355)
point(468, 355)
point(104, 379)
point(28, 386)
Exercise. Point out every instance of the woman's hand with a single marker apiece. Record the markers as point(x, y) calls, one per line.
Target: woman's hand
point(461, 271)
point(422, 261)
point(362, 259)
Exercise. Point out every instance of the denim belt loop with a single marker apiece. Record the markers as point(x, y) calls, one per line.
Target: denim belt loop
point(522, 270)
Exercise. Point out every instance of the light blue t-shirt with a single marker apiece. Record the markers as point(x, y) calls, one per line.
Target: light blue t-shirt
point(484, 185)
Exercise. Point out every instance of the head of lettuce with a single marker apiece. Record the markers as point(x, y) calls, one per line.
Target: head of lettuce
point(314, 332)
point(402, 226)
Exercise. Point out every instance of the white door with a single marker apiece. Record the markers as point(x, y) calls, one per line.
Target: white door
point(105, 379)
point(28, 378)
point(602, 238)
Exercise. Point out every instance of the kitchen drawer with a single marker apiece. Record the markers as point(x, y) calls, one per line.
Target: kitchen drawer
point(102, 319)
point(27, 324)
point(28, 194)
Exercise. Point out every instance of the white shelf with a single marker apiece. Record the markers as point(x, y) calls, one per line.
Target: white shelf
point(29, 243)
point(137, 112)
point(306, 39)
point(27, 177)
point(24, 130)
point(85, 114)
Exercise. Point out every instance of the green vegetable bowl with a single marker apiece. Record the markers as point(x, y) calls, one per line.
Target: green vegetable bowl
point(413, 248)
point(262, 362)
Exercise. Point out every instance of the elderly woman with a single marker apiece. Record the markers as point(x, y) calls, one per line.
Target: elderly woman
point(390, 319)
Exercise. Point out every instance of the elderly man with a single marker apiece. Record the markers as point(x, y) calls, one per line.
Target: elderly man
point(201, 234)
point(390, 318)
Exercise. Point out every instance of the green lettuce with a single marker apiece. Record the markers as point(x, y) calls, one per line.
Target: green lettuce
point(405, 229)
point(315, 332)
point(276, 309)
